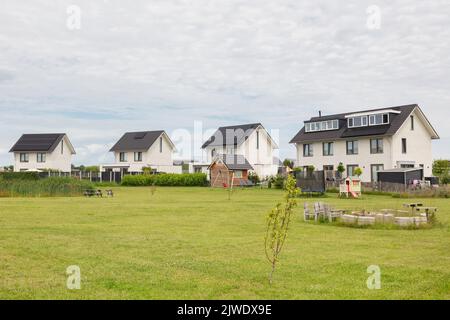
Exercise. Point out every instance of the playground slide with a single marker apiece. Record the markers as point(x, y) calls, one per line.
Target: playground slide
point(354, 194)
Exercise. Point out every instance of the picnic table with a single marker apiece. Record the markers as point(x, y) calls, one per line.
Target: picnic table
point(429, 212)
point(413, 205)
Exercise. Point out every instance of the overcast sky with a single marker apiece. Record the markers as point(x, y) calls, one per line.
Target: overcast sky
point(163, 64)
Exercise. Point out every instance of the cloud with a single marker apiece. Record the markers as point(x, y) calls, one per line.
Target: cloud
point(163, 64)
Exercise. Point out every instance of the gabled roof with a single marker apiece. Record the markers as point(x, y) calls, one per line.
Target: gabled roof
point(233, 162)
point(231, 135)
point(41, 142)
point(396, 120)
point(234, 135)
point(141, 140)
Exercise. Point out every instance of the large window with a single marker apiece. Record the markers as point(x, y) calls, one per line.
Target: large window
point(308, 150)
point(160, 144)
point(138, 156)
point(328, 148)
point(352, 147)
point(412, 122)
point(360, 121)
point(122, 157)
point(374, 171)
point(404, 145)
point(24, 157)
point(238, 174)
point(376, 146)
point(40, 157)
point(378, 119)
point(351, 169)
point(322, 125)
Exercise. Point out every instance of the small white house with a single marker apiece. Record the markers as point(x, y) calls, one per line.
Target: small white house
point(249, 140)
point(37, 152)
point(373, 140)
point(147, 149)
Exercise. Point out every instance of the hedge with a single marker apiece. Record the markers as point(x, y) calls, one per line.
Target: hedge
point(19, 175)
point(49, 187)
point(167, 179)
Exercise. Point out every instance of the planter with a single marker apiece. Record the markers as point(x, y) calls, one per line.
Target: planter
point(348, 218)
point(420, 220)
point(404, 221)
point(366, 220)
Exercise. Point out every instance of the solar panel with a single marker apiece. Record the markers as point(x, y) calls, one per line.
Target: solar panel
point(140, 135)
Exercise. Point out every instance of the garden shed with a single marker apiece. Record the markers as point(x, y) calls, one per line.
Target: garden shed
point(226, 170)
point(404, 176)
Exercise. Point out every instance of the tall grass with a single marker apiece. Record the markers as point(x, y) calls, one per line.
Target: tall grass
point(47, 187)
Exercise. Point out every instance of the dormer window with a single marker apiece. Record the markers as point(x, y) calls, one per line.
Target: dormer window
point(322, 125)
point(379, 119)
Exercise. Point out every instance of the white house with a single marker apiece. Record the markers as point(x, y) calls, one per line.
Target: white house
point(36, 152)
point(149, 149)
point(373, 140)
point(249, 140)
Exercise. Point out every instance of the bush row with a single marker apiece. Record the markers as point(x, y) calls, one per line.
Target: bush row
point(168, 179)
point(49, 187)
point(19, 175)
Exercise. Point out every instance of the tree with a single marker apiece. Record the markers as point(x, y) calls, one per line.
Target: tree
point(341, 169)
point(358, 171)
point(288, 163)
point(441, 169)
point(278, 224)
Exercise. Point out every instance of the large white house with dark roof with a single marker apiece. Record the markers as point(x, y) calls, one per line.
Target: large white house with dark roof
point(149, 149)
point(37, 152)
point(249, 140)
point(373, 140)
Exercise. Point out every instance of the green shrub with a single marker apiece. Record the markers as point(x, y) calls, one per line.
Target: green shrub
point(48, 187)
point(19, 175)
point(167, 179)
point(277, 182)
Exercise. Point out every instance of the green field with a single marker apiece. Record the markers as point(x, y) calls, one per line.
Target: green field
point(193, 243)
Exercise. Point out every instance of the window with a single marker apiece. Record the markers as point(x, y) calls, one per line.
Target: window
point(328, 168)
point(376, 146)
point(322, 125)
point(352, 147)
point(404, 149)
point(24, 157)
point(257, 139)
point(138, 156)
point(40, 157)
point(238, 174)
point(412, 123)
point(160, 144)
point(307, 150)
point(351, 169)
point(213, 153)
point(122, 157)
point(62, 147)
point(374, 168)
point(407, 165)
point(328, 148)
point(360, 121)
point(378, 119)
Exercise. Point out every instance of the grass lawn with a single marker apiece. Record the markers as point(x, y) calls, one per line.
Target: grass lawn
point(193, 243)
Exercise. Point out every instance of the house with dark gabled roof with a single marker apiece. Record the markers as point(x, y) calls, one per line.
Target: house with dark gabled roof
point(145, 149)
point(252, 141)
point(37, 152)
point(373, 140)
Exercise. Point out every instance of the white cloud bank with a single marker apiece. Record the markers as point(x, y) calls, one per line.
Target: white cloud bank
point(145, 65)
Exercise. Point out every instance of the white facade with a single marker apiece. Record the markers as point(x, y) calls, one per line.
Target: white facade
point(418, 150)
point(59, 159)
point(159, 157)
point(258, 149)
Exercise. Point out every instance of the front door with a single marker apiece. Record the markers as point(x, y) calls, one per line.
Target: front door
point(374, 171)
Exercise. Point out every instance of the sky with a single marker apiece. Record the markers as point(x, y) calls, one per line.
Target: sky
point(95, 69)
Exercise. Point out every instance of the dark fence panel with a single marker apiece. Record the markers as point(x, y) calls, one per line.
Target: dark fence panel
point(311, 181)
